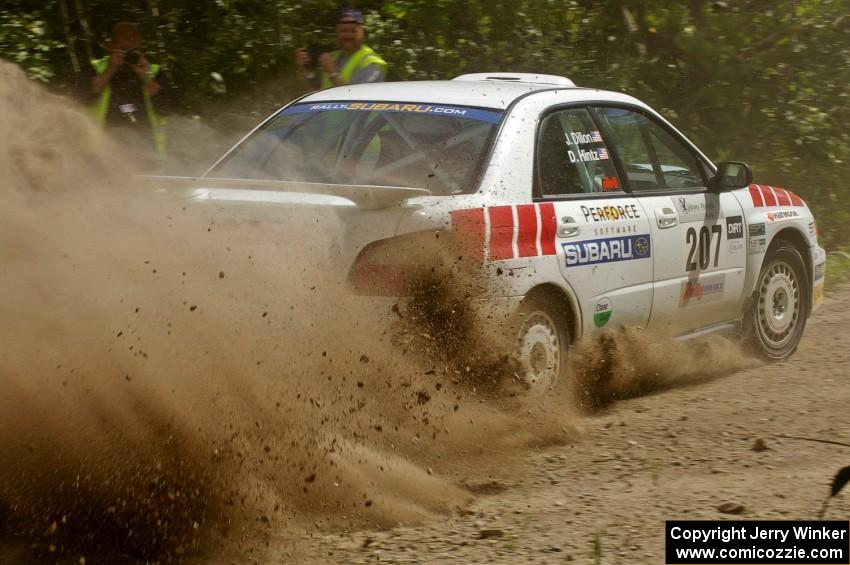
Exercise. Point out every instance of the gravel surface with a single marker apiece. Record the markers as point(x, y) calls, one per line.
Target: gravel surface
point(707, 451)
point(712, 450)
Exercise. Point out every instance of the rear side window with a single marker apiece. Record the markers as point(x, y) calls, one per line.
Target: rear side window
point(653, 158)
point(572, 158)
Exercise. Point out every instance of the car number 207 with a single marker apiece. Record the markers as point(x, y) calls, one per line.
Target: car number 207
point(700, 246)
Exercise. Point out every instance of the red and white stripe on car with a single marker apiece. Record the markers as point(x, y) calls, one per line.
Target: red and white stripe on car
point(514, 231)
point(765, 196)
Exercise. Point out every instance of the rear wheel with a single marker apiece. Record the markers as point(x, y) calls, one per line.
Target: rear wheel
point(778, 316)
point(542, 343)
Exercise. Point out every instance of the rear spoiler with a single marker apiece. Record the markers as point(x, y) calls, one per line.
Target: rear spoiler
point(369, 197)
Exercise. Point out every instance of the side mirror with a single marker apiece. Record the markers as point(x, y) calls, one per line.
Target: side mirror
point(731, 175)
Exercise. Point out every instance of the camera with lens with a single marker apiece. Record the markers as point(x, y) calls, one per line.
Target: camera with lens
point(314, 53)
point(131, 56)
point(314, 50)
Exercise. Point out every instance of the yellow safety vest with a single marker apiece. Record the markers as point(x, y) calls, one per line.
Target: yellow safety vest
point(361, 59)
point(101, 107)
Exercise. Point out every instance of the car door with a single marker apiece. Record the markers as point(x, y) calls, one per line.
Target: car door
point(602, 235)
point(698, 236)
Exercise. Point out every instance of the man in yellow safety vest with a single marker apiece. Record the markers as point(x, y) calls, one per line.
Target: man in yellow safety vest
point(124, 86)
point(353, 63)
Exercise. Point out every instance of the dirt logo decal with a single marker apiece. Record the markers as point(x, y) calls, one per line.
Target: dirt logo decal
point(734, 227)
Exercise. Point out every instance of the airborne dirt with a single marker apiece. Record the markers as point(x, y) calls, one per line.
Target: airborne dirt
point(183, 381)
point(675, 452)
point(181, 378)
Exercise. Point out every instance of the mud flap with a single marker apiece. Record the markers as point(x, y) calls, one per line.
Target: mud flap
point(748, 316)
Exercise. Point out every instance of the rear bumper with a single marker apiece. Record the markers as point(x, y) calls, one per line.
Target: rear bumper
point(818, 275)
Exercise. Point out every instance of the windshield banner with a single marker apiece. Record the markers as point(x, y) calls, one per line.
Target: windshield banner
point(489, 116)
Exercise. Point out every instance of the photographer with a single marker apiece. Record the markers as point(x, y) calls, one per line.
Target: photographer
point(124, 89)
point(353, 63)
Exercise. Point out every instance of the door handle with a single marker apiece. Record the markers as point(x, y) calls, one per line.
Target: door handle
point(568, 227)
point(666, 218)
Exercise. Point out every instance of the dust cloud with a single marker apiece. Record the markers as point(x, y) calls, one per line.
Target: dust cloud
point(180, 377)
point(628, 362)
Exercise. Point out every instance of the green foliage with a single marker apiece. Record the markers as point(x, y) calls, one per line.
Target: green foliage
point(837, 271)
point(763, 81)
point(25, 38)
point(596, 548)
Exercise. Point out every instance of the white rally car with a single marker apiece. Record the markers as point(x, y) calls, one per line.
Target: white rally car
point(593, 210)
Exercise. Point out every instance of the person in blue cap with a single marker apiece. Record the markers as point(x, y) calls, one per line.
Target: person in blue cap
point(353, 63)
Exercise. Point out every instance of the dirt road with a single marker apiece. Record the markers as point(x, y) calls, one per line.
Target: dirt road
point(678, 453)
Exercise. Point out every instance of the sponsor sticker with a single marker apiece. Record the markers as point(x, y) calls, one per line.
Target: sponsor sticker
point(489, 116)
point(756, 230)
point(615, 229)
point(583, 138)
point(781, 215)
point(817, 294)
point(704, 290)
point(820, 271)
point(736, 246)
point(610, 213)
point(757, 245)
point(695, 208)
point(734, 227)
point(602, 313)
point(587, 155)
point(610, 183)
point(812, 228)
point(607, 250)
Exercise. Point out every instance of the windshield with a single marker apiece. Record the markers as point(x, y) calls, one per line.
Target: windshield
point(437, 147)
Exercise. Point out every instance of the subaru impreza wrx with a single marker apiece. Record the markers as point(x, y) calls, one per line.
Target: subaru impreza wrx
point(594, 210)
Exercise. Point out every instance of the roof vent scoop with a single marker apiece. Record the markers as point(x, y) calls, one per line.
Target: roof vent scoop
point(530, 78)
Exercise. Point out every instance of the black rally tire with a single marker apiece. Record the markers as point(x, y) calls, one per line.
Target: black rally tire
point(542, 342)
point(777, 317)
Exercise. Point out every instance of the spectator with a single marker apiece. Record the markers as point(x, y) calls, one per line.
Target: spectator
point(353, 63)
point(124, 88)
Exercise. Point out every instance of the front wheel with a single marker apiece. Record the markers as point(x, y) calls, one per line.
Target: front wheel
point(542, 343)
point(778, 316)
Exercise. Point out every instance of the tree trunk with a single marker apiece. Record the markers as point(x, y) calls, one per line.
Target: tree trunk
point(84, 24)
point(70, 39)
